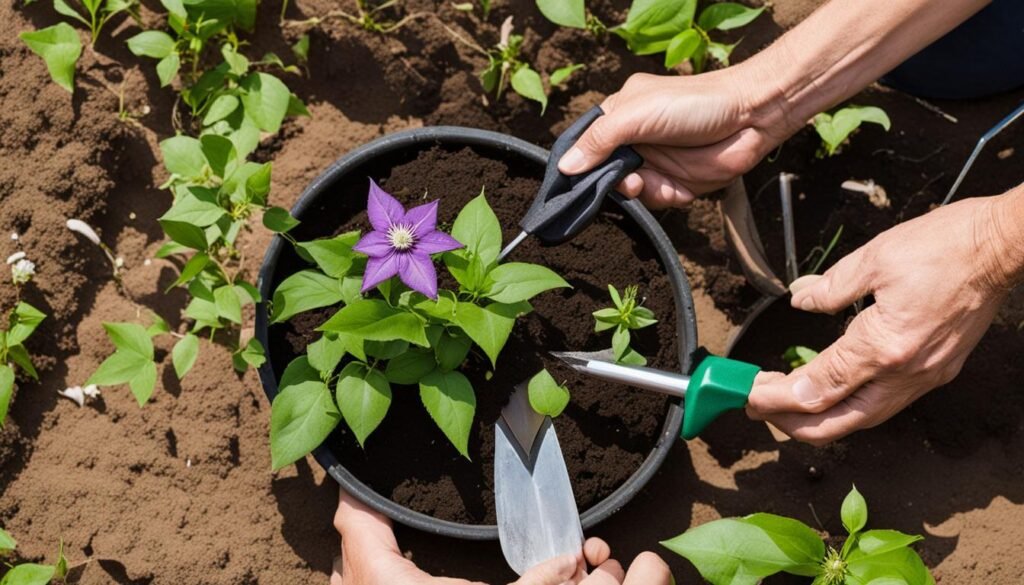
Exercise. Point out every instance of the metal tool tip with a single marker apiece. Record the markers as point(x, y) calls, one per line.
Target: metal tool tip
point(571, 358)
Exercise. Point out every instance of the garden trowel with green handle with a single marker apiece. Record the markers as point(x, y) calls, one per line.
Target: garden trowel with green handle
point(716, 385)
point(537, 515)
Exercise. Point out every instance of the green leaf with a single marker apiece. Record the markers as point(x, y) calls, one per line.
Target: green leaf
point(190, 209)
point(325, 353)
point(301, 48)
point(257, 185)
point(478, 229)
point(253, 353)
point(302, 414)
point(19, 355)
point(632, 358)
point(159, 325)
point(375, 320)
point(60, 48)
point(651, 24)
point(132, 362)
point(385, 350)
point(450, 400)
point(410, 367)
point(681, 47)
point(220, 154)
point(238, 64)
point(61, 569)
point(527, 83)
point(303, 291)
point(62, 7)
point(900, 564)
point(519, 281)
point(547, 396)
point(266, 100)
point(720, 51)
point(151, 43)
point(879, 542)
point(24, 320)
point(221, 108)
point(333, 255)
point(490, 326)
point(6, 392)
point(192, 268)
point(7, 542)
point(364, 397)
point(229, 306)
point(277, 219)
point(799, 355)
point(742, 551)
point(29, 574)
point(170, 249)
point(296, 107)
point(451, 349)
point(184, 233)
point(835, 128)
point(167, 68)
point(183, 156)
point(727, 16)
point(184, 354)
point(854, 512)
point(620, 342)
point(569, 13)
point(468, 269)
point(561, 75)
point(175, 7)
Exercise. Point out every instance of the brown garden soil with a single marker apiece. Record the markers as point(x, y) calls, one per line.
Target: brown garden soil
point(181, 491)
point(607, 430)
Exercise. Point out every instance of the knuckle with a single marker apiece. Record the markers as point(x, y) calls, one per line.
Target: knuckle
point(602, 134)
point(895, 356)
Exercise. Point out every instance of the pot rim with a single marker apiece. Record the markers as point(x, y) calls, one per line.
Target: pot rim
point(456, 135)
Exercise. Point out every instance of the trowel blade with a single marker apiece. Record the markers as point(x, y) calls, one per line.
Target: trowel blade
point(537, 515)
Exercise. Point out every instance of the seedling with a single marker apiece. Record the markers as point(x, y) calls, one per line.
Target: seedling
point(547, 396)
point(485, 7)
point(94, 14)
point(394, 326)
point(116, 262)
point(819, 255)
point(369, 18)
point(32, 573)
point(626, 315)
point(505, 67)
point(22, 320)
point(836, 128)
point(743, 551)
point(60, 48)
point(663, 26)
point(799, 355)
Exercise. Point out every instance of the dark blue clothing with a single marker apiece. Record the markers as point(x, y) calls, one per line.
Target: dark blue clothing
point(983, 56)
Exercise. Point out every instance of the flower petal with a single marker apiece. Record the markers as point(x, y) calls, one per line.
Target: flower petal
point(418, 274)
point(422, 218)
point(379, 269)
point(435, 242)
point(382, 208)
point(374, 245)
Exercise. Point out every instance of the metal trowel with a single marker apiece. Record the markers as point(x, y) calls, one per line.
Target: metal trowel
point(537, 515)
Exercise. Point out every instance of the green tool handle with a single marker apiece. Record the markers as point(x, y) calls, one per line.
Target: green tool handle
point(717, 384)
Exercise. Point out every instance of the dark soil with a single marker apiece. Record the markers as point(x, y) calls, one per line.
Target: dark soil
point(606, 432)
point(181, 490)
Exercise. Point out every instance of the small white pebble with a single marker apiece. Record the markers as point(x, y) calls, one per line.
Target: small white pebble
point(188, 462)
point(147, 262)
point(75, 393)
point(131, 215)
point(14, 236)
point(22, 271)
point(119, 262)
point(92, 391)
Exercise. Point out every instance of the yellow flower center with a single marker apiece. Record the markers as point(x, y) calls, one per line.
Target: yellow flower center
point(401, 237)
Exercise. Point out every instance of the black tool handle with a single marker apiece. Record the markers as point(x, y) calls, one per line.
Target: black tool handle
point(565, 205)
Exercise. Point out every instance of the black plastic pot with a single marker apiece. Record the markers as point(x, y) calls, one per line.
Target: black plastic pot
point(378, 156)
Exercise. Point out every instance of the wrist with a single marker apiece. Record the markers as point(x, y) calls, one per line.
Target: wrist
point(1005, 238)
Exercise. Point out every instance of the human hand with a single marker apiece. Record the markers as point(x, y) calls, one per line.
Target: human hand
point(937, 280)
point(695, 133)
point(370, 556)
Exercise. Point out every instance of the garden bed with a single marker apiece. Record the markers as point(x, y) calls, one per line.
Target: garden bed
point(181, 491)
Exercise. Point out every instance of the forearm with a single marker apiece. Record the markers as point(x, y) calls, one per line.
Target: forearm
point(841, 48)
point(1006, 238)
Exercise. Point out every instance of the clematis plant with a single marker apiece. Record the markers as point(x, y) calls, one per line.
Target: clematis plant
point(393, 325)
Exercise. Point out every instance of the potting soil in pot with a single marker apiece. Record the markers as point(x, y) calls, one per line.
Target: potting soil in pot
point(607, 430)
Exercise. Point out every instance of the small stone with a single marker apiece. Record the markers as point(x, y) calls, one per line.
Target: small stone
point(131, 215)
point(1005, 153)
point(14, 236)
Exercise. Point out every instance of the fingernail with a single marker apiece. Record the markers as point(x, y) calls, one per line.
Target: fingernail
point(804, 391)
point(803, 282)
point(633, 184)
point(572, 162)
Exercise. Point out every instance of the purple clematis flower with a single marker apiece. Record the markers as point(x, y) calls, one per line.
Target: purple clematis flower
point(401, 243)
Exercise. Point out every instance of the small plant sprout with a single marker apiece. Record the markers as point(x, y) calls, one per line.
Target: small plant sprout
point(94, 14)
point(366, 17)
point(818, 255)
point(22, 320)
point(626, 315)
point(60, 48)
point(662, 26)
point(22, 269)
point(836, 128)
point(743, 551)
point(485, 7)
point(116, 262)
point(798, 355)
point(505, 68)
point(78, 394)
point(393, 325)
point(876, 193)
point(32, 573)
point(547, 396)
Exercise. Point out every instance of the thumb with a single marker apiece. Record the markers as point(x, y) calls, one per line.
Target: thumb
point(604, 135)
point(551, 572)
point(840, 286)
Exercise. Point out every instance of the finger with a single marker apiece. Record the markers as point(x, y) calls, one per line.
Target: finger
point(631, 186)
point(825, 427)
point(708, 168)
point(661, 191)
point(552, 572)
point(803, 282)
point(608, 573)
point(847, 281)
point(616, 127)
point(837, 372)
point(337, 570)
point(596, 551)
point(362, 528)
point(648, 569)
